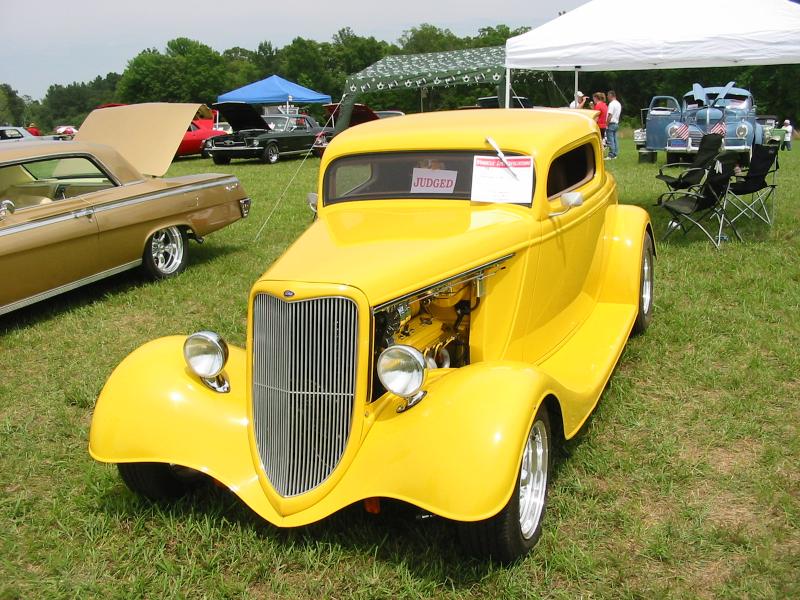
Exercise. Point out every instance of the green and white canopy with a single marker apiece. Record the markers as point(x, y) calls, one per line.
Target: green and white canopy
point(429, 70)
point(433, 69)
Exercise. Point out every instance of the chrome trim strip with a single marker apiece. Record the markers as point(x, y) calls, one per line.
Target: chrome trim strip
point(256, 150)
point(42, 222)
point(157, 195)
point(69, 286)
point(431, 289)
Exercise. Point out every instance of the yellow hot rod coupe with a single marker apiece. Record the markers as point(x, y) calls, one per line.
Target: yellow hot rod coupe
point(456, 308)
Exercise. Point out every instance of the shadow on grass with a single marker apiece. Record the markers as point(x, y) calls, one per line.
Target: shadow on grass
point(86, 295)
point(400, 536)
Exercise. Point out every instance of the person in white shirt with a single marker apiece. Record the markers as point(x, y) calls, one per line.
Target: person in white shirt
point(787, 137)
point(614, 112)
point(579, 101)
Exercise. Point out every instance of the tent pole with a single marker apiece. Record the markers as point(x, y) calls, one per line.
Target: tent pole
point(508, 88)
point(575, 91)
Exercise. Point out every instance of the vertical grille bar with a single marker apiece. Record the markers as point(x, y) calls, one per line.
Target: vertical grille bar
point(304, 373)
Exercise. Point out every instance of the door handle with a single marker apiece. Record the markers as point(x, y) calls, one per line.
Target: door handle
point(86, 212)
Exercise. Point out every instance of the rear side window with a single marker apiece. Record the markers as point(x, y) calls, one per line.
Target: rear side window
point(570, 170)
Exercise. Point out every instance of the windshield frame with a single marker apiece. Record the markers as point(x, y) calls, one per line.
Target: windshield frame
point(439, 155)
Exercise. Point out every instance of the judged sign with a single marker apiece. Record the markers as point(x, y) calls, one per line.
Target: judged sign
point(433, 181)
point(493, 181)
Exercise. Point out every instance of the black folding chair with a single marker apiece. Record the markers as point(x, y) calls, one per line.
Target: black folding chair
point(753, 183)
point(704, 201)
point(710, 145)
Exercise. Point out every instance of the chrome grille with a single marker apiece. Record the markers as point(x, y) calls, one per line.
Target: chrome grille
point(696, 137)
point(304, 374)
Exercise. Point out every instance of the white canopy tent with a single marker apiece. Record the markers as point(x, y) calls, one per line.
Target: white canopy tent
point(620, 35)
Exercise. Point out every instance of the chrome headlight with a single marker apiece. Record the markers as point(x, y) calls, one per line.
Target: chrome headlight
point(205, 353)
point(672, 129)
point(402, 370)
point(742, 130)
point(254, 142)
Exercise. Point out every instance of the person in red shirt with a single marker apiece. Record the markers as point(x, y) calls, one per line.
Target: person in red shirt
point(33, 129)
point(600, 105)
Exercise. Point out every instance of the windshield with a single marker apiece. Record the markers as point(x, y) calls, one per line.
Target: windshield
point(440, 175)
point(730, 101)
point(276, 123)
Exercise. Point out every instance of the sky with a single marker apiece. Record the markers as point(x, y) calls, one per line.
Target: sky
point(60, 42)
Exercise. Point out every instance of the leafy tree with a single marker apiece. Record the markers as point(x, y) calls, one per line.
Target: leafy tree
point(429, 38)
point(188, 71)
point(12, 107)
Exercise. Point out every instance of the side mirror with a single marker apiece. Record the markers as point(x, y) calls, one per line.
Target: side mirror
point(312, 198)
point(6, 208)
point(568, 200)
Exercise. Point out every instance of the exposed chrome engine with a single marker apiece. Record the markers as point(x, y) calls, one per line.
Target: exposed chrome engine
point(434, 320)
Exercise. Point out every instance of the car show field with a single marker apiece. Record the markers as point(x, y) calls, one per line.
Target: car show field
point(682, 483)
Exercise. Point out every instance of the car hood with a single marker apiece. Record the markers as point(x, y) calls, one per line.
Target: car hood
point(147, 135)
point(241, 115)
point(387, 251)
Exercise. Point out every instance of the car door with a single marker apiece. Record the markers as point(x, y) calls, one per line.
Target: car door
point(49, 243)
point(662, 111)
point(568, 276)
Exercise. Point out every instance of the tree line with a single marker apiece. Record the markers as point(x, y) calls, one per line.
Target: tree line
point(190, 71)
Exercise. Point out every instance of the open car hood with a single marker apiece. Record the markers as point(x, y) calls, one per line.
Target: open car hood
point(361, 113)
point(241, 115)
point(146, 135)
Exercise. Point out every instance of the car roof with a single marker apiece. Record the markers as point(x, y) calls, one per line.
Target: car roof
point(467, 130)
point(120, 168)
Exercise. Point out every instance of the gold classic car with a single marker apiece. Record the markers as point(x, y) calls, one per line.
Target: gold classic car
point(456, 309)
point(74, 212)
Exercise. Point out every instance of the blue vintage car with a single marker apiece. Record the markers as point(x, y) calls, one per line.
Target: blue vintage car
point(678, 127)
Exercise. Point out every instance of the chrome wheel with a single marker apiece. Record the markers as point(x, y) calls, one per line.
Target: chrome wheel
point(167, 248)
point(533, 479)
point(272, 154)
point(647, 282)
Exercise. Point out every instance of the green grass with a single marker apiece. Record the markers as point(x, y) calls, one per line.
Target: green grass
point(683, 484)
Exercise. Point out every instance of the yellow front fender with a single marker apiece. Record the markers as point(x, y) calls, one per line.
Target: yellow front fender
point(455, 454)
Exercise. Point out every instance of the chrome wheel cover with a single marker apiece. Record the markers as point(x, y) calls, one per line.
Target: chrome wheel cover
point(272, 153)
point(533, 479)
point(166, 249)
point(647, 282)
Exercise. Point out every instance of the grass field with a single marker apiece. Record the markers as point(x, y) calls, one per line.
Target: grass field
point(683, 484)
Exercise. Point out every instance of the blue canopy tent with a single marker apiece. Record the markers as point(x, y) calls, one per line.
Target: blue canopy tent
point(274, 90)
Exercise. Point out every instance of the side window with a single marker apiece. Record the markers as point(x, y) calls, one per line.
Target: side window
point(570, 170)
point(41, 182)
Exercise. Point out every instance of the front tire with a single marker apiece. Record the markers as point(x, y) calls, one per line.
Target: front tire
point(271, 154)
point(645, 314)
point(159, 481)
point(221, 160)
point(511, 533)
point(165, 253)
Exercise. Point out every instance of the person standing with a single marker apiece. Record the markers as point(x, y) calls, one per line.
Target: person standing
point(601, 106)
point(33, 129)
point(786, 144)
point(614, 112)
point(579, 102)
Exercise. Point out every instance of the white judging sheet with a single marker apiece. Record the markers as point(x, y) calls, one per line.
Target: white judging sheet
point(492, 181)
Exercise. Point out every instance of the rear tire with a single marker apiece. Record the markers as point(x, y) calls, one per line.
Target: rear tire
point(166, 253)
point(221, 160)
point(645, 313)
point(159, 481)
point(511, 533)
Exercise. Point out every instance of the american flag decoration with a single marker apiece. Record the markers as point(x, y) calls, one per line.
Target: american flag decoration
point(720, 128)
point(682, 132)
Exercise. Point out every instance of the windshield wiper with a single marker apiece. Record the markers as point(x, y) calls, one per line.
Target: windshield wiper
point(501, 156)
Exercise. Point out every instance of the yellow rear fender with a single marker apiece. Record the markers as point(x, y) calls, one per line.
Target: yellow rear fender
point(457, 453)
point(627, 227)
